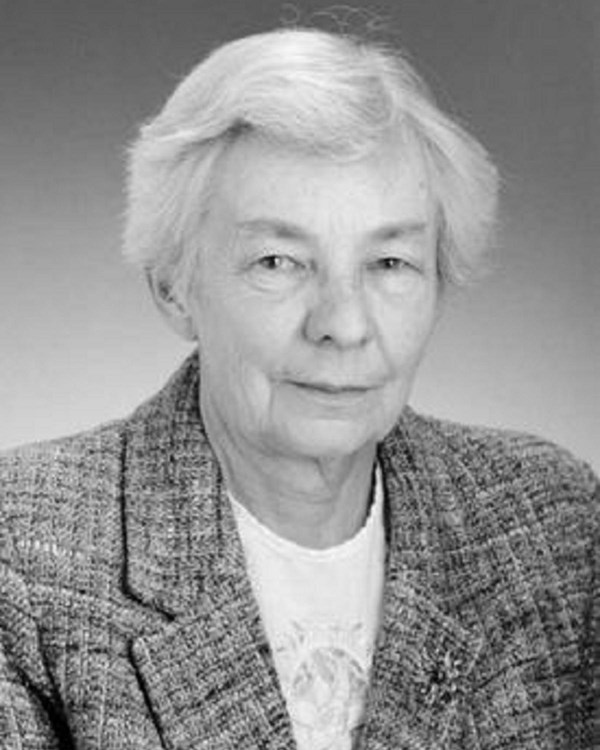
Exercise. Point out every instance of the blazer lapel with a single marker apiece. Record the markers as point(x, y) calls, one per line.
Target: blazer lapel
point(424, 656)
point(210, 680)
point(205, 667)
point(420, 673)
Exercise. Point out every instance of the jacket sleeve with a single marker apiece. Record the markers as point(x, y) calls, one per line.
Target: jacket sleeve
point(29, 716)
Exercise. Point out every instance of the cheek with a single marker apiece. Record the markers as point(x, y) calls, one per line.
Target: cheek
point(261, 334)
point(236, 386)
point(405, 331)
point(241, 354)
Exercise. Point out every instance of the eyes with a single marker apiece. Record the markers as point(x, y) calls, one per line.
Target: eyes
point(288, 264)
point(286, 271)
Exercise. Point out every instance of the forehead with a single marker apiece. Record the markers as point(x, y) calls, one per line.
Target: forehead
point(259, 179)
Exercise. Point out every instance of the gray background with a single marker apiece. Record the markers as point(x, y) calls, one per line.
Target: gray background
point(80, 341)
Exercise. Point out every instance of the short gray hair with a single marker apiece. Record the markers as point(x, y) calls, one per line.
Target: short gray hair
point(334, 94)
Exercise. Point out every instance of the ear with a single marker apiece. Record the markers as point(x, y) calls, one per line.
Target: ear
point(172, 310)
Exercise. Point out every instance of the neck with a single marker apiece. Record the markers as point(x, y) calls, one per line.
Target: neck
point(314, 502)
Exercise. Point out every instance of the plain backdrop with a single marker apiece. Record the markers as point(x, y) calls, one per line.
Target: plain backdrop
point(80, 340)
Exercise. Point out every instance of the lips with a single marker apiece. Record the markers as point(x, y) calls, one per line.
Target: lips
point(333, 388)
point(332, 398)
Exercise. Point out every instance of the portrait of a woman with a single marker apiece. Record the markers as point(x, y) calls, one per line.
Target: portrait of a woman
point(276, 550)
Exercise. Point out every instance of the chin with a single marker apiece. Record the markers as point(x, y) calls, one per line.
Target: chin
point(327, 438)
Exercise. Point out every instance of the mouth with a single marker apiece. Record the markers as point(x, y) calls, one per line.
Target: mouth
point(333, 389)
point(333, 396)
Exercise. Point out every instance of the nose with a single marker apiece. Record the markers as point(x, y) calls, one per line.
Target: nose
point(339, 315)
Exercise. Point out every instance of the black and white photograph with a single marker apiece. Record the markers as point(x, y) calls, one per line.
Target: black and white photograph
point(299, 366)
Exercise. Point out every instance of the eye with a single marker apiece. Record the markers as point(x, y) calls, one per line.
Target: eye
point(394, 274)
point(390, 263)
point(276, 271)
point(276, 262)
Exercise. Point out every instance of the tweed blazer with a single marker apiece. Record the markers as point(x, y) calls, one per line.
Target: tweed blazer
point(127, 619)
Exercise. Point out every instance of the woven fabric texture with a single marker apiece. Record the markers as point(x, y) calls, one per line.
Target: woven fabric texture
point(127, 619)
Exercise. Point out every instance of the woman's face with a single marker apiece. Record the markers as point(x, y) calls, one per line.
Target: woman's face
point(316, 294)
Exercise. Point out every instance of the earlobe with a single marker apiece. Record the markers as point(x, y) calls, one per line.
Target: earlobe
point(171, 308)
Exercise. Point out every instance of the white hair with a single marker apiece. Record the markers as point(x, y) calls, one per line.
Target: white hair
point(333, 94)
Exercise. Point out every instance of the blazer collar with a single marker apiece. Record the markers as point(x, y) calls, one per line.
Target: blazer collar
point(424, 656)
point(179, 529)
point(208, 666)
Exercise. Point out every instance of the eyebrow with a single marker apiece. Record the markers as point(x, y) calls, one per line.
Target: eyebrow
point(278, 228)
point(399, 230)
point(282, 229)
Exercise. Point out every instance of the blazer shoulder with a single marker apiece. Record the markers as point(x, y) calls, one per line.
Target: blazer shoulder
point(503, 477)
point(53, 461)
point(493, 455)
point(495, 495)
point(45, 487)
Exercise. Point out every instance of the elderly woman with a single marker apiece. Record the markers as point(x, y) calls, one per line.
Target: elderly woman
point(275, 551)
